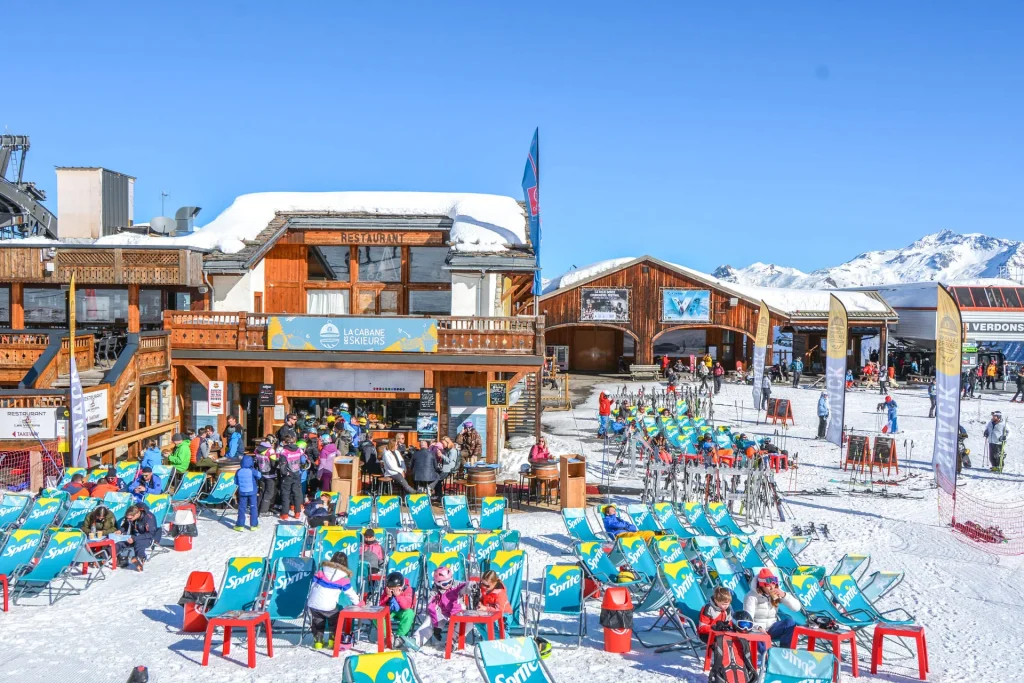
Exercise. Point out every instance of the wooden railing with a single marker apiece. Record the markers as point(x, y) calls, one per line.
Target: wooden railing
point(18, 352)
point(247, 332)
point(153, 356)
point(54, 399)
point(84, 354)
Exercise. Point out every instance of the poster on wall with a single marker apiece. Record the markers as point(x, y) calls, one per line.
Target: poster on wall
point(685, 305)
point(610, 305)
point(497, 394)
point(95, 406)
point(426, 426)
point(782, 346)
point(215, 398)
point(468, 404)
point(28, 423)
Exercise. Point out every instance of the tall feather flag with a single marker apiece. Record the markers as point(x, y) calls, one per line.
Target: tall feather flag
point(760, 347)
point(948, 350)
point(79, 427)
point(531, 188)
point(835, 369)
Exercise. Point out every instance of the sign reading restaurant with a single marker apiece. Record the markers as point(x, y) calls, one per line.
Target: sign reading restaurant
point(383, 237)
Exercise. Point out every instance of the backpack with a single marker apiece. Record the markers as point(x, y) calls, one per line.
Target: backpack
point(724, 666)
point(290, 462)
point(262, 461)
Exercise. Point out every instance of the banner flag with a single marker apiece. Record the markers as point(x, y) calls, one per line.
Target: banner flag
point(948, 349)
point(79, 426)
point(835, 369)
point(531, 188)
point(760, 347)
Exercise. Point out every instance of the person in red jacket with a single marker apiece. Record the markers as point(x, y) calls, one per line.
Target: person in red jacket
point(399, 598)
point(494, 597)
point(604, 411)
point(717, 611)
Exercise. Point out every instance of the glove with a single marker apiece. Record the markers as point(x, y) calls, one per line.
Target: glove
point(393, 604)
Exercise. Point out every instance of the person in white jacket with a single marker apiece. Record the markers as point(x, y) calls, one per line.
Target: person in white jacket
point(393, 466)
point(329, 584)
point(763, 605)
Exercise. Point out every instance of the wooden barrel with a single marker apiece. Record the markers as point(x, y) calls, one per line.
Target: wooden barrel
point(228, 465)
point(484, 480)
point(544, 470)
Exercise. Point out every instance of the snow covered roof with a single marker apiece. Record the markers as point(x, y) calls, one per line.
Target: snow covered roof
point(788, 302)
point(924, 294)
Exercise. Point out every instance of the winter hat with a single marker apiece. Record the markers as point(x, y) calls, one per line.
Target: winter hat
point(443, 577)
point(112, 472)
point(888, 399)
point(765, 576)
point(147, 468)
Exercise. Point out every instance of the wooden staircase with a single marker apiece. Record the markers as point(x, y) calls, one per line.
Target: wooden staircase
point(522, 416)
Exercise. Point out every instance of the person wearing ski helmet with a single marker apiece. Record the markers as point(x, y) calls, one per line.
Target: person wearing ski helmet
point(892, 409)
point(400, 600)
point(763, 602)
point(446, 599)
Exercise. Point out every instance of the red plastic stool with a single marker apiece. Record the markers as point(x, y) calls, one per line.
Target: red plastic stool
point(753, 637)
point(349, 615)
point(836, 638)
point(488, 617)
point(775, 459)
point(911, 631)
point(202, 583)
point(247, 620)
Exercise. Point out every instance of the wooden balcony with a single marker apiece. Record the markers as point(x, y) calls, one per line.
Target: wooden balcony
point(212, 330)
point(99, 266)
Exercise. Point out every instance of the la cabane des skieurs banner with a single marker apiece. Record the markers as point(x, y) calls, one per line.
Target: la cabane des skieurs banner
point(948, 349)
point(835, 369)
point(760, 346)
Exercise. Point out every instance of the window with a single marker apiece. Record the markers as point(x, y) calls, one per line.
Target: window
point(426, 264)
point(728, 337)
point(963, 296)
point(388, 302)
point(101, 306)
point(5, 305)
point(327, 302)
point(329, 263)
point(46, 305)
point(1009, 293)
point(995, 299)
point(427, 302)
point(980, 300)
point(182, 301)
point(380, 264)
point(151, 306)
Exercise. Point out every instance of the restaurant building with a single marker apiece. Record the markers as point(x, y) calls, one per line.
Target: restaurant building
point(636, 310)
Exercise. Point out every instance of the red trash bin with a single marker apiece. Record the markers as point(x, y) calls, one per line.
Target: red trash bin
point(617, 619)
point(183, 541)
point(199, 584)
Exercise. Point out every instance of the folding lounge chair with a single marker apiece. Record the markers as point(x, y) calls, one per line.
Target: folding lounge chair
point(223, 493)
point(561, 594)
point(880, 584)
point(668, 549)
point(431, 562)
point(420, 513)
point(845, 593)
point(513, 572)
point(600, 567)
point(457, 543)
point(189, 487)
point(53, 571)
point(237, 604)
point(669, 520)
point(500, 660)
point(852, 565)
point(722, 573)
point(16, 551)
point(492, 513)
point(290, 581)
point(456, 512)
point(815, 603)
point(642, 518)
point(332, 539)
point(783, 665)
point(74, 518)
point(633, 551)
point(389, 512)
point(360, 512)
point(721, 518)
point(42, 514)
point(578, 527)
point(118, 504)
point(695, 517)
point(777, 551)
point(410, 541)
point(164, 472)
point(383, 667)
point(659, 600)
point(484, 547)
point(68, 473)
point(289, 541)
point(12, 507)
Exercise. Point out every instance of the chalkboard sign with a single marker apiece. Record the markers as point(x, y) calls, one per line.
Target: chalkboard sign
point(266, 396)
point(428, 400)
point(885, 449)
point(771, 406)
point(780, 409)
point(497, 394)
point(857, 449)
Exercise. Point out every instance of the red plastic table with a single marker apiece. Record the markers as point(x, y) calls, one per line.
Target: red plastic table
point(910, 631)
point(487, 617)
point(107, 543)
point(753, 637)
point(836, 638)
point(381, 615)
point(247, 620)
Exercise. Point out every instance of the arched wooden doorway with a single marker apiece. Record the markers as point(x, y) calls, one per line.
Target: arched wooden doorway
point(594, 347)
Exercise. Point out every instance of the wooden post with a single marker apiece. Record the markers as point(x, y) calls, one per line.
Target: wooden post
point(17, 306)
point(133, 309)
point(242, 341)
point(36, 474)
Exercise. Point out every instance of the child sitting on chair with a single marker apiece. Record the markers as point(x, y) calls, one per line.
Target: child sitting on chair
point(330, 585)
point(445, 600)
point(615, 526)
point(399, 598)
point(494, 598)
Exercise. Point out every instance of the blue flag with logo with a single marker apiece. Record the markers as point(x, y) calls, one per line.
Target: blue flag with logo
point(531, 188)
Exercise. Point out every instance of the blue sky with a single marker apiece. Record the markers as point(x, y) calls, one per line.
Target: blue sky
point(704, 133)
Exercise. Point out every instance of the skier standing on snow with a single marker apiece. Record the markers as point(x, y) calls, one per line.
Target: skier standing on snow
point(931, 397)
point(1020, 386)
point(892, 408)
point(822, 415)
point(719, 373)
point(798, 368)
point(995, 431)
point(766, 391)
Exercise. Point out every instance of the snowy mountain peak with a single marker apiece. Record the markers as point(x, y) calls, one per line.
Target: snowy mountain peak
point(944, 255)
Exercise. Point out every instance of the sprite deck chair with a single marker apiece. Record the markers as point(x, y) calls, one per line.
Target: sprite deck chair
point(880, 584)
point(431, 562)
point(511, 660)
point(651, 428)
point(668, 549)
point(578, 527)
point(456, 513)
point(382, 667)
point(420, 512)
point(456, 543)
point(409, 565)
point(723, 519)
point(241, 588)
point(53, 571)
point(360, 512)
point(510, 539)
point(695, 517)
point(743, 555)
point(633, 551)
point(492, 514)
point(189, 487)
point(659, 601)
point(389, 512)
point(642, 518)
point(513, 571)
point(815, 603)
point(68, 473)
point(126, 471)
point(160, 505)
point(855, 565)
point(561, 594)
point(290, 581)
point(484, 547)
point(289, 541)
point(74, 518)
point(684, 586)
point(414, 541)
point(333, 539)
point(783, 665)
point(845, 592)
point(774, 548)
point(118, 503)
point(96, 475)
point(669, 520)
point(164, 472)
point(12, 507)
point(223, 493)
point(43, 513)
point(722, 573)
point(16, 551)
point(600, 567)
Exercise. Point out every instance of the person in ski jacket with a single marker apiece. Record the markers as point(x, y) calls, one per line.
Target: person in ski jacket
point(893, 413)
point(707, 362)
point(110, 484)
point(233, 446)
point(330, 584)
point(718, 611)
point(763, 605)
point(400, 599)
point(368, 454)
point(151, 457)
point(494, 597)
point(248, 492)
point(266, 463)
point(995, 435)
point(615, 525)
point(822, 415)
point(1020, 386)
point(373, 552)
point(604, 411)
point(446, 598)
point(719, 373)
point(469, 442)
point(100, 521)
point(181, 456)
point(289, 468)
point(394, 466)
point(991, 372)
point(931, 397)
point(424, 466)
point(449, 456)
point(76, 488)
point(797, 368)
point(540, 452)
point(320, 512)
point(766, 391)
point(145, 484)
point(140, 524)
point(849, 379)
point(325, 471)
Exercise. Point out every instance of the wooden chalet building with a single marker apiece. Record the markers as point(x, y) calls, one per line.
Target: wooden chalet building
point(638, 310)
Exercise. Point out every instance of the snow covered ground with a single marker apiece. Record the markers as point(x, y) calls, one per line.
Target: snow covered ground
point(968, 600)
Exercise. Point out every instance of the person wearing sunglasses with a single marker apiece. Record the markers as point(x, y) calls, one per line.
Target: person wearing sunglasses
point(763, 605)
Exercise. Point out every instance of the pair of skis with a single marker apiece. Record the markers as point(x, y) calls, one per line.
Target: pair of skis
point(816, 531)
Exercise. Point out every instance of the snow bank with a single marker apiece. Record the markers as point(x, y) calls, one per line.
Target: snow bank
point(570, 278)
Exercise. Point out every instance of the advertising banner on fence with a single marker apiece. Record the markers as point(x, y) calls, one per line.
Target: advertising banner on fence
point(760, 348)
point(685, 305)
point(611, 305)
point(835, 369)
point(948, 340)
point(308, 333)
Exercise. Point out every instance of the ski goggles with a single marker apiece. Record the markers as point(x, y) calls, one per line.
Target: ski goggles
point(769, 581)
point(744, 625)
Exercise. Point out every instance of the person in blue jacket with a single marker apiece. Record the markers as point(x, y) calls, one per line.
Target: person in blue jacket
point(145, 483)
point(615, 526)
point(151, 457)
point(797, 367)
point(822, 415)
point(931, 397)
point(892, 408)
point(246, 478)
point(234, 444)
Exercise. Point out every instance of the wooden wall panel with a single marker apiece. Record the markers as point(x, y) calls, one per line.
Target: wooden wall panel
point(285, 273)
